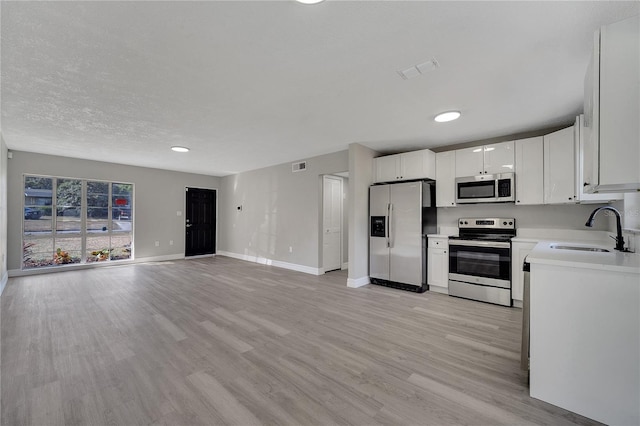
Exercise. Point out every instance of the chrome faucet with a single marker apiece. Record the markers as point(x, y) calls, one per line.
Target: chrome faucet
point(619, 238)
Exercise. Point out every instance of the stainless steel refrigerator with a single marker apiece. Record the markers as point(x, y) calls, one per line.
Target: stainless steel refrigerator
point(401, 216)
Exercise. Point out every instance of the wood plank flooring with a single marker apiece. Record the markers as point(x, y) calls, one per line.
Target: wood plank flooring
point(221, 341)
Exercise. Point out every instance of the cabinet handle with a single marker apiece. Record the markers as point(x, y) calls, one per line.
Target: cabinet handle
point(585, 184)
point(571, 198)
point(518, 201)
point(445, 252)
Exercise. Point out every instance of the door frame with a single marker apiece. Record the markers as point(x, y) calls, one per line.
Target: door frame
point(321, 224)
point(184, 222)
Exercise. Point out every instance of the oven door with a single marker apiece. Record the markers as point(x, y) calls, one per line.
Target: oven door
point(480, 262)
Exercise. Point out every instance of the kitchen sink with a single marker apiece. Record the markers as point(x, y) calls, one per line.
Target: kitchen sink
point(595, 249)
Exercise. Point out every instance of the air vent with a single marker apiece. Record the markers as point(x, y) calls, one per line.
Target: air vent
point(299, 167)
point(419, 69)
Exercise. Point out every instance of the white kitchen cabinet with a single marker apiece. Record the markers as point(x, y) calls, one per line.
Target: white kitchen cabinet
point(438, 264)
point(446, 179)
point(612, 108)
point(387, 168)
point(519, 250)
point(469, 162)
point(529, 167)
point(499, 157)
point(487, 159)
point(559, 169)
point(406, 166)
point(584, 153)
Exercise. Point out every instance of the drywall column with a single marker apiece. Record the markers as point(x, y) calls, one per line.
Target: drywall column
point(360, 178)
point(3, 214)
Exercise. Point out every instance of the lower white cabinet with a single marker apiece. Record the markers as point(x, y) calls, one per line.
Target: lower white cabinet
point(519, 250)
point(438, 264)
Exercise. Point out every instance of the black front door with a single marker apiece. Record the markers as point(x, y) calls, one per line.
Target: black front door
point(200, 222)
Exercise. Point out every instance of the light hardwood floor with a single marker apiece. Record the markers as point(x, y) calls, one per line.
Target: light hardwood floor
point(221, 341)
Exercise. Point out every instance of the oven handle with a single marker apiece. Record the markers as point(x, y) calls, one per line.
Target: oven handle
point(475, 243)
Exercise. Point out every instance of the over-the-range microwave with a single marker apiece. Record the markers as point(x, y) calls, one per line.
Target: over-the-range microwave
point(497, 188)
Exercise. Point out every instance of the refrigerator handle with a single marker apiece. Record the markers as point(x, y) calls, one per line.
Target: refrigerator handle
point(389, 216)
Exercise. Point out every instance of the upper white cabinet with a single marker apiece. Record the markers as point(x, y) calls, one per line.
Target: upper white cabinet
point(529, 171)
point(559, 170)
point(487, 159)
point(406, 166)
point(469, 162)
point(584, 153)
point(612, 108)
point(445, 179)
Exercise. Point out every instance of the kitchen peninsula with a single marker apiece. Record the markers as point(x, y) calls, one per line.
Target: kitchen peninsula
point(585, 330)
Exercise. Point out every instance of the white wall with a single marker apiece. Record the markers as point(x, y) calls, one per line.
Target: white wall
point(360, 178)
point(159, 195)
point(280, 209)
point(3, 214)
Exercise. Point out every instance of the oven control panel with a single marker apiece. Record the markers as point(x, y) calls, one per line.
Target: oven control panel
point(491, 223)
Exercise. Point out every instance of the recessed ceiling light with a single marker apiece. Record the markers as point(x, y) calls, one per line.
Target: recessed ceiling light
point(309, 1)
point(447, 116)
point(180, 149)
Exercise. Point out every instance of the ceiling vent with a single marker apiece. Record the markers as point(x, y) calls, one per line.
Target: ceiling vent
point(419, 69)
point(299, 167)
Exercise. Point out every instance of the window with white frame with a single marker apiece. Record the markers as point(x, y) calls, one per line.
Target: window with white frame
point(72, 221)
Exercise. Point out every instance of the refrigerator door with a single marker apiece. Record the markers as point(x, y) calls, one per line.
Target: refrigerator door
point(378, 249)
point(405, 229)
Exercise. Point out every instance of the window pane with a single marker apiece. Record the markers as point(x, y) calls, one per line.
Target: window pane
point(69, 204)
point(121, 246)
point(37, 205)
point(121, 206)
point(97, 206)
point(68, 250)
point(98, 248)
point(37, 252)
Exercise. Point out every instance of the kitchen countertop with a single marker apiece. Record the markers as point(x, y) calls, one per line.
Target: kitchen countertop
point(613, 261)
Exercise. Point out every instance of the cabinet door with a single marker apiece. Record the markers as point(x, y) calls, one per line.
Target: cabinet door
point(387, 168)
point(469, 162)
point(529, 171)
point(412, 165)
point(585, 152)
point(619, 109)
point(445, 179)
point(520, 251)
point(499, 158)
point(559, 168)
point(438, 267)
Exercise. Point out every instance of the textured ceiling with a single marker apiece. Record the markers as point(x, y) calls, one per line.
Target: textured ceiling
point(251, 84)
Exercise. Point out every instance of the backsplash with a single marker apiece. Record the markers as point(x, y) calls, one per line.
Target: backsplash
point(570, 216)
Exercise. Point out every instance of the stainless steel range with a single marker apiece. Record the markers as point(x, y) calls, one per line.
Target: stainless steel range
point(480, 260)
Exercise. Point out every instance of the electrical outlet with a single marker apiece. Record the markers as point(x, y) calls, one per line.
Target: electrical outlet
point(157, 243)
point(178, 213)
point(290, 249)
point(170, 242)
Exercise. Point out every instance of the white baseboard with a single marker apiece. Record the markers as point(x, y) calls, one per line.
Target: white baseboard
point(438, 289)
point(358, 282)
point(271, 262)
point(3, 282)
point(345, 265)
point(50, 269)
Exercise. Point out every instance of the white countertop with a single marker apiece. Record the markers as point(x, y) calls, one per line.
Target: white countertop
point(613, 261)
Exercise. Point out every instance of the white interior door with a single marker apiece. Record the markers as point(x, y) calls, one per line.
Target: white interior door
point(331, 223)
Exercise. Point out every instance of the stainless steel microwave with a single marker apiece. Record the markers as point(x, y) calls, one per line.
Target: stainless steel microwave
point(498, 188)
